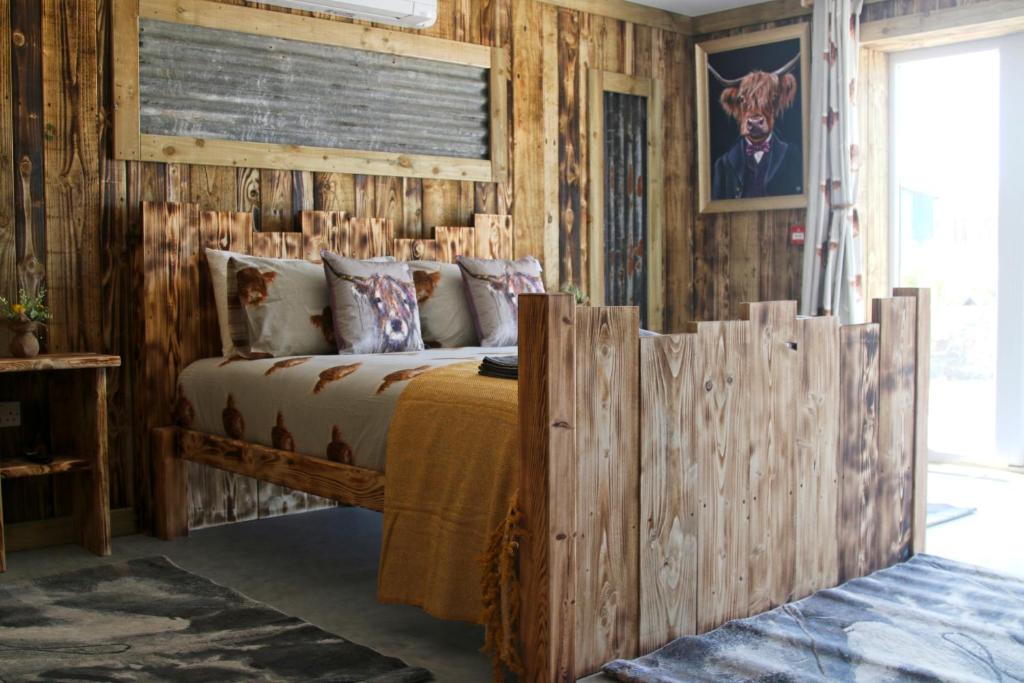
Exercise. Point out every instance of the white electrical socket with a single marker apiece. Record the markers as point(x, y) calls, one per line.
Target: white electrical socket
point(10, 414)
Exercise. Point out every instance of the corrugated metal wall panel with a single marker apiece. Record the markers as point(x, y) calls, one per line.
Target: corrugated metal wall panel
point(209, 83)
point(625, 201)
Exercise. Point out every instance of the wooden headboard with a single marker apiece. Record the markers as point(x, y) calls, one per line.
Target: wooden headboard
point(180, 319)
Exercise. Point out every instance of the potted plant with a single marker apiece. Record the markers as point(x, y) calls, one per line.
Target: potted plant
point(25, 315)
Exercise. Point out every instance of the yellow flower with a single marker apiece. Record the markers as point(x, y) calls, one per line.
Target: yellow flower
point(18, 309)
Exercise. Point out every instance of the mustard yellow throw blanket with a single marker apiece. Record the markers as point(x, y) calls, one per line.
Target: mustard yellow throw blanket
point(450, 518)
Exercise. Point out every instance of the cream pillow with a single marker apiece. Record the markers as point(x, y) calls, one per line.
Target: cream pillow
point(445, 319)
point(279, 307)
point(217, 262)
point(493, 287)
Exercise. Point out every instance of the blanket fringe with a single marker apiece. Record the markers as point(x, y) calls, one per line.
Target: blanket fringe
point(500, 583)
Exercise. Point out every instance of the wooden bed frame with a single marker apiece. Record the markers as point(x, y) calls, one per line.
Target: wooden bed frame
point(668, 484)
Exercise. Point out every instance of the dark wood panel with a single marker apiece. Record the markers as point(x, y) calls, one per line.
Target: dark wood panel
point(27, 92)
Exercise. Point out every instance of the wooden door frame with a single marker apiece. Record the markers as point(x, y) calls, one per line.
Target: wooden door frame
point(598, 83)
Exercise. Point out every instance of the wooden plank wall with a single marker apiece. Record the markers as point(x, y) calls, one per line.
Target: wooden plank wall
point(746, 256)
point(55, 137)
point(78, 210)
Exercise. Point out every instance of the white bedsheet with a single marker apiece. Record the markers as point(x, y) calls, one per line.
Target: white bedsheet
point(315, 405)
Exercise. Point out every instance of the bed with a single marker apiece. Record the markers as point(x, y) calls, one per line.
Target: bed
point(295, 399)
point(666, 484)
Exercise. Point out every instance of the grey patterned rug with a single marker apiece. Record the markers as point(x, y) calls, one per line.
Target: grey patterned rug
point(928, 619)
point(148, 620)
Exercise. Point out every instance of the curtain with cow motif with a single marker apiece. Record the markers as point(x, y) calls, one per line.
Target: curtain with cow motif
point(832, 280)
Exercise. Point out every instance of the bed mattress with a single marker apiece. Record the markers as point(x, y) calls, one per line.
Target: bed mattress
point(337, 407)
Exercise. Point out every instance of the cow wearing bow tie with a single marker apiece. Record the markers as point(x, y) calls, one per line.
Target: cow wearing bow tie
point(760, 163)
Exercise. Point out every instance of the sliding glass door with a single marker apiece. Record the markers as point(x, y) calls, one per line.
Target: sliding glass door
point(958, 198)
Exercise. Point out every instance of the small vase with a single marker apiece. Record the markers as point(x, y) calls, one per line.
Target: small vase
point(25, 343)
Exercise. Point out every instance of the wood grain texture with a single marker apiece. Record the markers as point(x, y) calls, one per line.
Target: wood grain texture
point(170, 493)
point(3, 536)
point(59, 361)
point(669, 510)
point(343, 483)
point(548, 488)
point(723, 445)
point(922, 368)
point(8, 229)
point(410, 250)
point(493, 236)
point(773, 373)
point(91, 487)
point(71, 150)
point(630, 12)
point(608, 477)
point(858, 449)
point(897, 357)
point(27, 80)
point(816, 456)
point(527, 128)
point(13, 468)
point(454, 241)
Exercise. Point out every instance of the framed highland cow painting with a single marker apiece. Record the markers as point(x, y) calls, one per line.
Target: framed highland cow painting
point(752, 108)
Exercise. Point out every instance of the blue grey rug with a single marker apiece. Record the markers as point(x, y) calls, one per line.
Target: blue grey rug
point(928, 619)
point(940, 513)
point(148, 620)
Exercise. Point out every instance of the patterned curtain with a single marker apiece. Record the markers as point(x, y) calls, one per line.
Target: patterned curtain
point(832, 280)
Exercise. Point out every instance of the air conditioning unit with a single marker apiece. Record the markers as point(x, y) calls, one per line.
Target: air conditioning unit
point(405, 13)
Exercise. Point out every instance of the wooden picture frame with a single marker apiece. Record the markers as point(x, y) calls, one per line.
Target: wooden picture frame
point(130, 143)
point(721, 145)
point(598, 83)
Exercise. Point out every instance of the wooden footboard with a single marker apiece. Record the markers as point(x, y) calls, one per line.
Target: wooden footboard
point(670, 484)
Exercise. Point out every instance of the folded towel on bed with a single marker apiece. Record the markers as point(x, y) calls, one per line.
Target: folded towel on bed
point(452, 472)
point(502, 367)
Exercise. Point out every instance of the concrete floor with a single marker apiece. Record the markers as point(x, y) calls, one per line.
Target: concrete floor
point(319, 566)
point(322, 567)
point(992, 537)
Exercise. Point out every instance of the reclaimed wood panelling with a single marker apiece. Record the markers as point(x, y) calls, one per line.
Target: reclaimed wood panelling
point(71, 151)
point(669, 509)
point(816, 455)
point(702, 280)
point(547, 417)
point(723, 447)
point(762, 478)
point(92, 227)
point(896, 319)
point(774, 364)
point(27, 173)
point(607, 553)
point(858, 449)
point(922, 367)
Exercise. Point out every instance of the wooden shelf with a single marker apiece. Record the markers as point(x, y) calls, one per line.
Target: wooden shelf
point(60, 361)
point(12, 468)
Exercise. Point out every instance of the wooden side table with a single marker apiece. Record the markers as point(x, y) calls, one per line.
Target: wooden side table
point(78, 437)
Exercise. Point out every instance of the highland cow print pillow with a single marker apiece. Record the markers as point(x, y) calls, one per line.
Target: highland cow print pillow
point(444, 314)
point(373, 305)
point(492, 288)
point(278, 307)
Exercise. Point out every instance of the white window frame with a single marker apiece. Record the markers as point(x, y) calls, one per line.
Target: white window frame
point(1009, 422)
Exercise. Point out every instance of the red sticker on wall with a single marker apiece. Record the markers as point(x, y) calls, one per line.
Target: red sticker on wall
point(796, 235)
